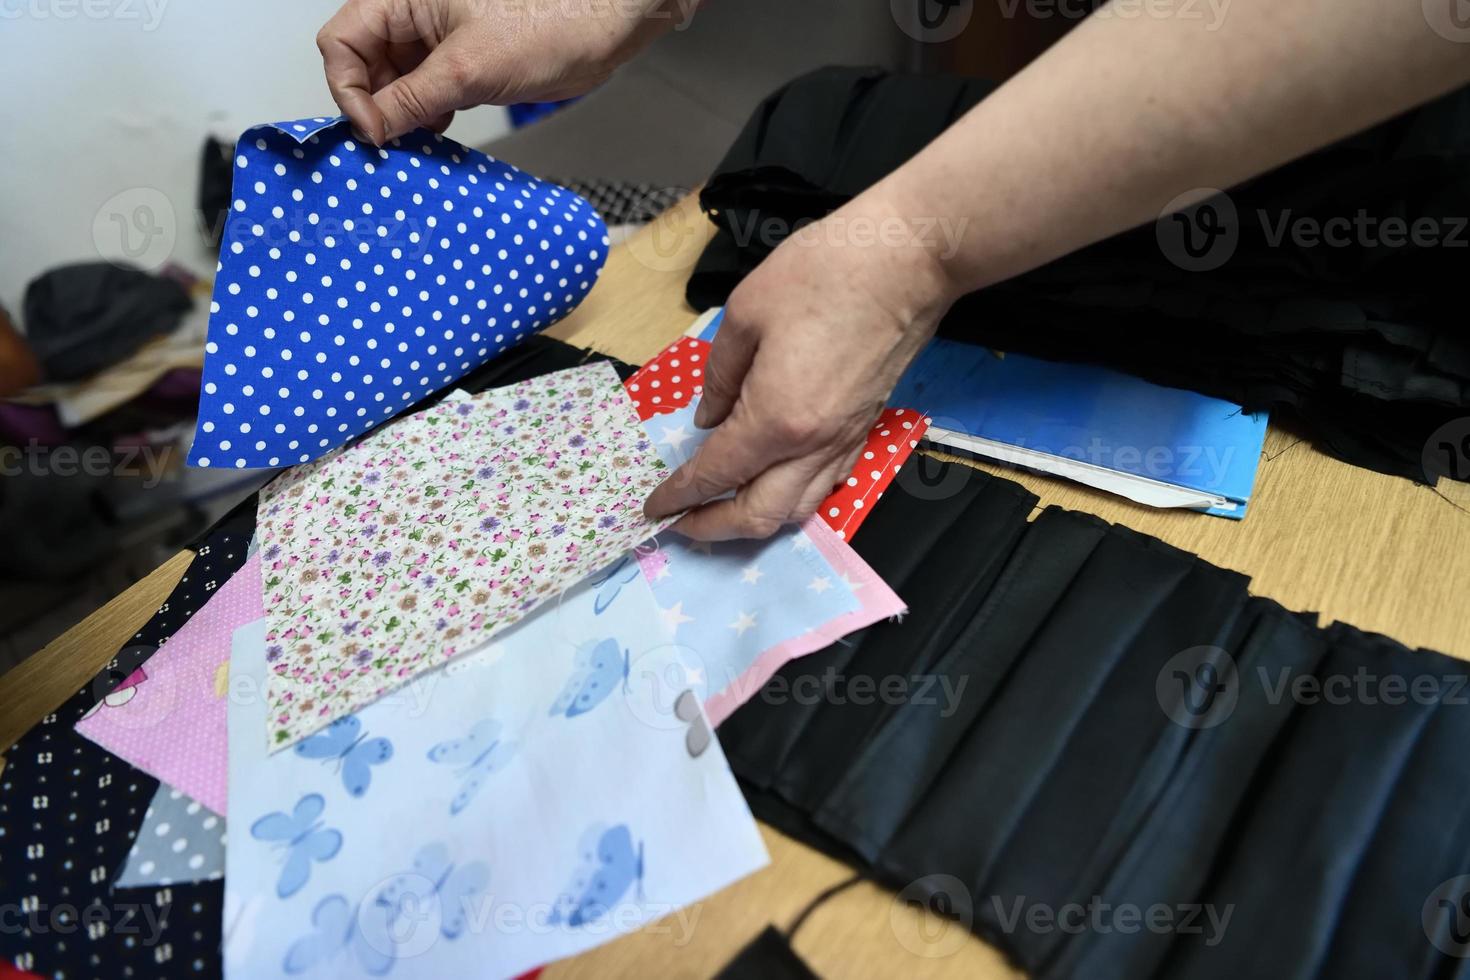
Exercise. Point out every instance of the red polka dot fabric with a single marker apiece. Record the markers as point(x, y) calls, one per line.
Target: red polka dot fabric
point(674, 377)
point(893, 437)
point(667, 383)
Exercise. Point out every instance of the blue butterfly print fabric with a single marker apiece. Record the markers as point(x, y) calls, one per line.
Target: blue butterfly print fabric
point(304, 838)
point(600, 667)
point(344, 743)
point(402, 917)
point(334, 930)
point(611, 864)
point(471, 854)
point(609, 583)
point(355, 280)
point(474, 757)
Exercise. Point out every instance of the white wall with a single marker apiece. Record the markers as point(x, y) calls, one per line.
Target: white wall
point(101, 98)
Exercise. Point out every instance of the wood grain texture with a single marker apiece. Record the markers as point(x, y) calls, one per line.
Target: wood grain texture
point(41, 682)
point(1375, 551)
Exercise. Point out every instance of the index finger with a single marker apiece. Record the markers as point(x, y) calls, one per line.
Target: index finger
point(350, 49)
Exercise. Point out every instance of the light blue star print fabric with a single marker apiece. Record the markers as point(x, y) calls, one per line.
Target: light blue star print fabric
point(355, 280)
point(729, 601)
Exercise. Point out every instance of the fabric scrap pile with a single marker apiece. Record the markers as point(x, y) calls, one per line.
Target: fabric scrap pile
point(458, 678)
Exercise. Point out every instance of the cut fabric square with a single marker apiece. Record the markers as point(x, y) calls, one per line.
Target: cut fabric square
point(890, 441)
point(171, 725)
point(671, 380)
point(424, 541)
point(739, 610)
point(674, 380)
point(69, 810)
point(179, 841)
point(534, 804)
point(355, 280)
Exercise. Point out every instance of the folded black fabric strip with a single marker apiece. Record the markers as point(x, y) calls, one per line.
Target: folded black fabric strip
point(1095, 725)
point(1360, 338)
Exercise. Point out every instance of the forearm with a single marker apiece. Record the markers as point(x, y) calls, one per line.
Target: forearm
point(1124, 115)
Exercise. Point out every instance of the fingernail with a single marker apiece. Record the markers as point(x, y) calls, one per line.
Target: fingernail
point(701, 416)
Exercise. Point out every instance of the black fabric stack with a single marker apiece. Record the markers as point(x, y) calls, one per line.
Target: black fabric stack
point(1083, 716)
point(1363, 343)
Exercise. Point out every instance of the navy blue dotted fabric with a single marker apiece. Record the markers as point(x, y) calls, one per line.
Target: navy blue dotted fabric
point(68, 814)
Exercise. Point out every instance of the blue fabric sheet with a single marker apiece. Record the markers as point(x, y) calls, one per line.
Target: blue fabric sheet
point(353, 281)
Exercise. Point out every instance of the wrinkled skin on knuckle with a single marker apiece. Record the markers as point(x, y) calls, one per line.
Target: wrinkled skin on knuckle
point(758, 526)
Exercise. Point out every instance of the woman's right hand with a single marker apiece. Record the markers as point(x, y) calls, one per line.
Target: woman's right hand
point(396, 65)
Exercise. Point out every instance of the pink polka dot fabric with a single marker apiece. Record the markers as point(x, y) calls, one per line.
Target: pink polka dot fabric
point(174, 726)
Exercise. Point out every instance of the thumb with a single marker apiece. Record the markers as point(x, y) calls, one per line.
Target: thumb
point(730, 356)
point(439, 85)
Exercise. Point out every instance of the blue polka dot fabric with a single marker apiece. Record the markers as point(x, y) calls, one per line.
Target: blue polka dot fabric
point(354, 280)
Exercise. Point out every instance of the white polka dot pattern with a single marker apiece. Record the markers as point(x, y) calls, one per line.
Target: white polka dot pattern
point(353, 281)
point(179, 841)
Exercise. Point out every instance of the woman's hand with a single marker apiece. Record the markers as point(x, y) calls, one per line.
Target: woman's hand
point(395, 65)
point(811, 346)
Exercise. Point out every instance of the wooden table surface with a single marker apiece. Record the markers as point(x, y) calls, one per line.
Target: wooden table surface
point(1376, 551)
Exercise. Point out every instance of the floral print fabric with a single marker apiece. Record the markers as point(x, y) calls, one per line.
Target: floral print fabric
point(392, 556)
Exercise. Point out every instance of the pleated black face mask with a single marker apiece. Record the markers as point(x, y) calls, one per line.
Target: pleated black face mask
point(1128, 738)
